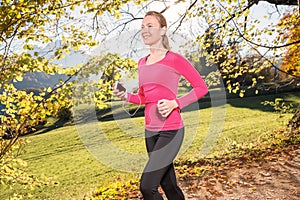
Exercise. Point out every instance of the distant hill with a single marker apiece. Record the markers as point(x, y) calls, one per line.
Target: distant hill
point(39, 80)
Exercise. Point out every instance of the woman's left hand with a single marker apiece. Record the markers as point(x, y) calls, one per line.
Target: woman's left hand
point(165, 107)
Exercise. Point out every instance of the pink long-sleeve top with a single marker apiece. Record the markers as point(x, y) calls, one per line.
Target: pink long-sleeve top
point(160, 81)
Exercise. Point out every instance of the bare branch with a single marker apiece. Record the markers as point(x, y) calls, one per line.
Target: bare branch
point(242, 36)
point(183, 17)
point(274, 66)
point(269, 47)
point(278, 2)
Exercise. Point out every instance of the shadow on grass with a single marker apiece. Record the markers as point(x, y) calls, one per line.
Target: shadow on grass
point(56, 124)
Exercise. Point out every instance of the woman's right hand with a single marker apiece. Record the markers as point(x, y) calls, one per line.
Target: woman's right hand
point(121, 94)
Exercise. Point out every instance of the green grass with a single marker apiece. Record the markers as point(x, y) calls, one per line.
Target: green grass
point(62, 154)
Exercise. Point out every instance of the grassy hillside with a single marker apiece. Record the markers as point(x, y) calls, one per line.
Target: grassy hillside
point(62, 155)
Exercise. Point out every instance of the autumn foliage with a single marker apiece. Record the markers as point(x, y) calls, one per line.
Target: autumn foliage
point(290, 33)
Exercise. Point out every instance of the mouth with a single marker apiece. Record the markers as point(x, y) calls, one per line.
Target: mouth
point(145, 37)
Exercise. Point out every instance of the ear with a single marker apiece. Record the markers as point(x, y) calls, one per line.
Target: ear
point(163, 31)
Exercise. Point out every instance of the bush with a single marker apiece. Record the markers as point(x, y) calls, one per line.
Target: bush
point(65, 114)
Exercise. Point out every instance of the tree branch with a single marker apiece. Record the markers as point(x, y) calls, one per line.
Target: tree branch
point(260, 45)
point(242, 36)
point(183, 16)
point(273, 65)
point(278, 2)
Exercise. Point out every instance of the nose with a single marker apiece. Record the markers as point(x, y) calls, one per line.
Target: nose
point(144, 30)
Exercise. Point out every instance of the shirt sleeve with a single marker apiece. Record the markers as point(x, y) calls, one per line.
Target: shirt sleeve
point(187, 70)
point(138, 98)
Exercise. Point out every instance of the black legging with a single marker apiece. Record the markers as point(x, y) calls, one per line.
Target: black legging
point(162, 148)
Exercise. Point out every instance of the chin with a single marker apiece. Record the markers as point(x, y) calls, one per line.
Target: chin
point(147, 42)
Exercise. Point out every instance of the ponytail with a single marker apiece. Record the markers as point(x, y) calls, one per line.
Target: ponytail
point(165, 42)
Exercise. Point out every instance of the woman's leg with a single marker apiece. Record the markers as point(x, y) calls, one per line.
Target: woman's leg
point(169, 185)
point(162, 148)
point(148, 184)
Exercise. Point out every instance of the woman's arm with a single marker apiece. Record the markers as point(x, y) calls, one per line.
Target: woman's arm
point(137, 98)
point(129, 97)
point(185, 68)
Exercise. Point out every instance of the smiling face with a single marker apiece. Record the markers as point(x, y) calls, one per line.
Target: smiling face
point(152, 31)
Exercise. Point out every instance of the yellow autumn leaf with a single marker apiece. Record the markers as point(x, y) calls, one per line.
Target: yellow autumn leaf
point(19, 78)
point(247, 12)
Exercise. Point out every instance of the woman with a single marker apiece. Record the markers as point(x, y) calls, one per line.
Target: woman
point(159, 74)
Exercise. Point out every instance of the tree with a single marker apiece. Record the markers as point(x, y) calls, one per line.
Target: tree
point(25, 25)
point(291, 59)
point(290, 32)
point(230, 31)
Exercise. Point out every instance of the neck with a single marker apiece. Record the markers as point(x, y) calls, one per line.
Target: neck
point(157, 50)
point(155, 55)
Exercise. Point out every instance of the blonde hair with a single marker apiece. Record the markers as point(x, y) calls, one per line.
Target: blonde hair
point(163, 23)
